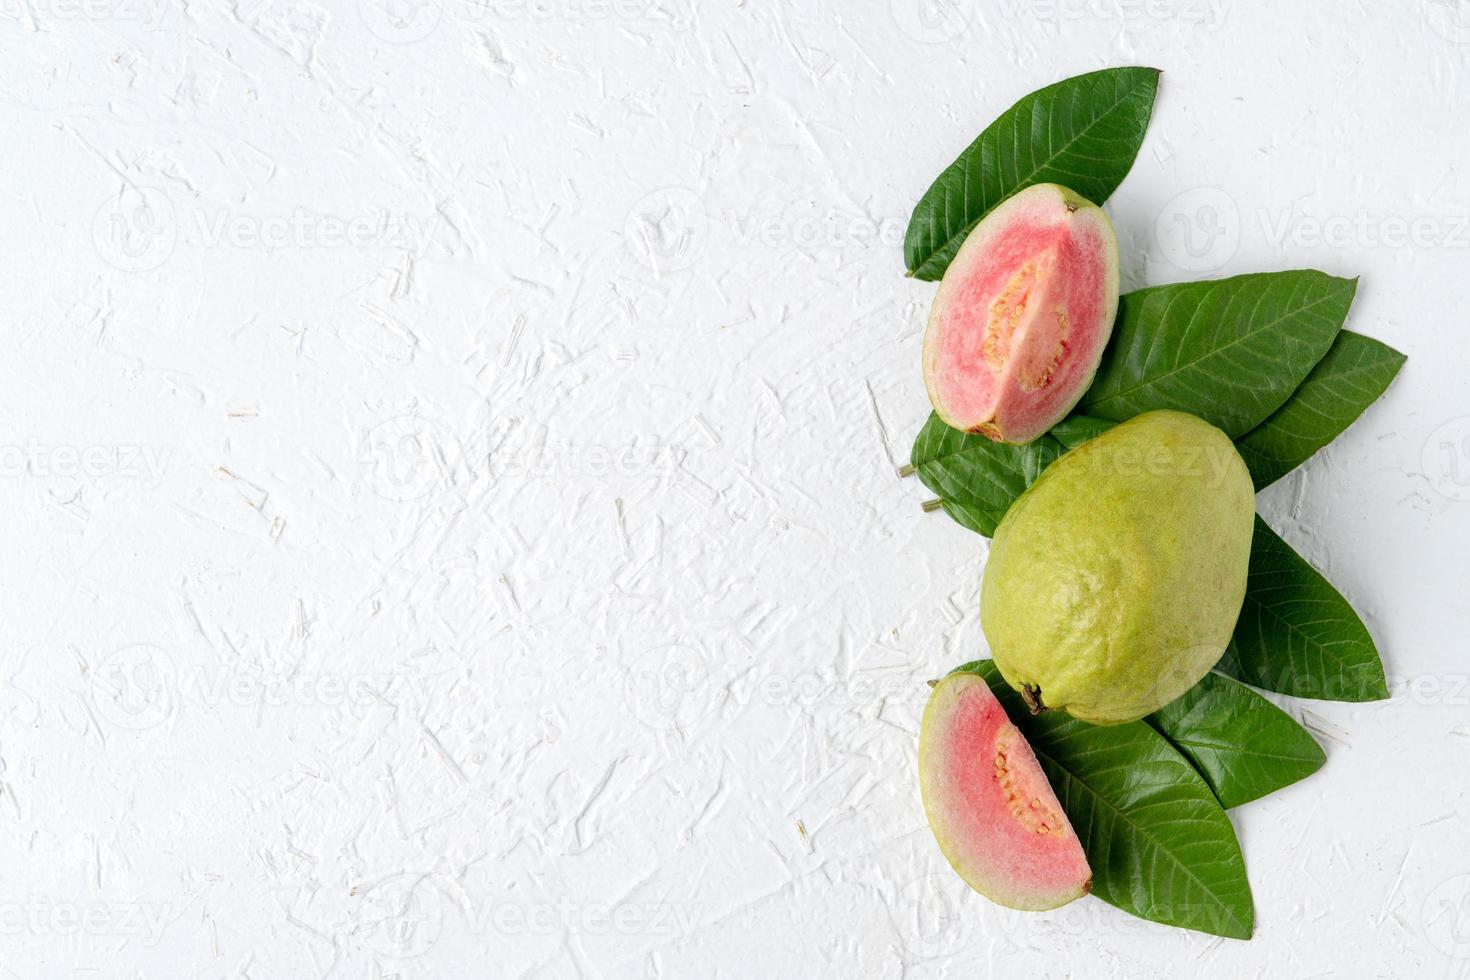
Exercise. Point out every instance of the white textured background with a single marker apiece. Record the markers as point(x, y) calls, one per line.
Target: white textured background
point(448, 460)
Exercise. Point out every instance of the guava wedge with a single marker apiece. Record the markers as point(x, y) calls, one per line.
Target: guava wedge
point(990, 806)
point(1114, 582)
point(1022, 315)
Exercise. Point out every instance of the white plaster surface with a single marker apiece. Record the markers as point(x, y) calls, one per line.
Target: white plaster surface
point(449, 466)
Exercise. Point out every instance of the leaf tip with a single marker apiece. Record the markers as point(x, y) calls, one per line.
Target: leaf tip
point(1319, 757)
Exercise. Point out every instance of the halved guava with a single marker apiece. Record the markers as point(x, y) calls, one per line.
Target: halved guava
point(990, 806)
point(1022, 315)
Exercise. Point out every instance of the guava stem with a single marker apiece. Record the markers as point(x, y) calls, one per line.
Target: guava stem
point(905, 471)
point(1031, 694)
point(932, 505)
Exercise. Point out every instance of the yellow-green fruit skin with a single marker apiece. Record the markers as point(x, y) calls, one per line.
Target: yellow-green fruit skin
point(1114, 582)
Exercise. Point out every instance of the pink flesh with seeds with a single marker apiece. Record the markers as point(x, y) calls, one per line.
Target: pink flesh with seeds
point(991, 807)
point(1022, 316)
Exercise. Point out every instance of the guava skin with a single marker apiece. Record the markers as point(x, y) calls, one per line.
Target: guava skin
point(1022, 315)
point(993, 812)
point(1114, 581)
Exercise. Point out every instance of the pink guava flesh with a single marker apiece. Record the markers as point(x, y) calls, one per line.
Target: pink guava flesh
point(1022, 315)
point(989, 804)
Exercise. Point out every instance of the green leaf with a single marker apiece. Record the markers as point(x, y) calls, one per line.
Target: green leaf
point(1262, 356)
point(1074, 430)
point(1083, 132)
point(1230, 351)
point(1159, 844)
point(1242, 744)
point(1354, 373)
point(977, 479)
point(1296, 634)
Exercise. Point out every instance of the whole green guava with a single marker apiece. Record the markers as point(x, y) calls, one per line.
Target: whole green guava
point(1114, 582)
